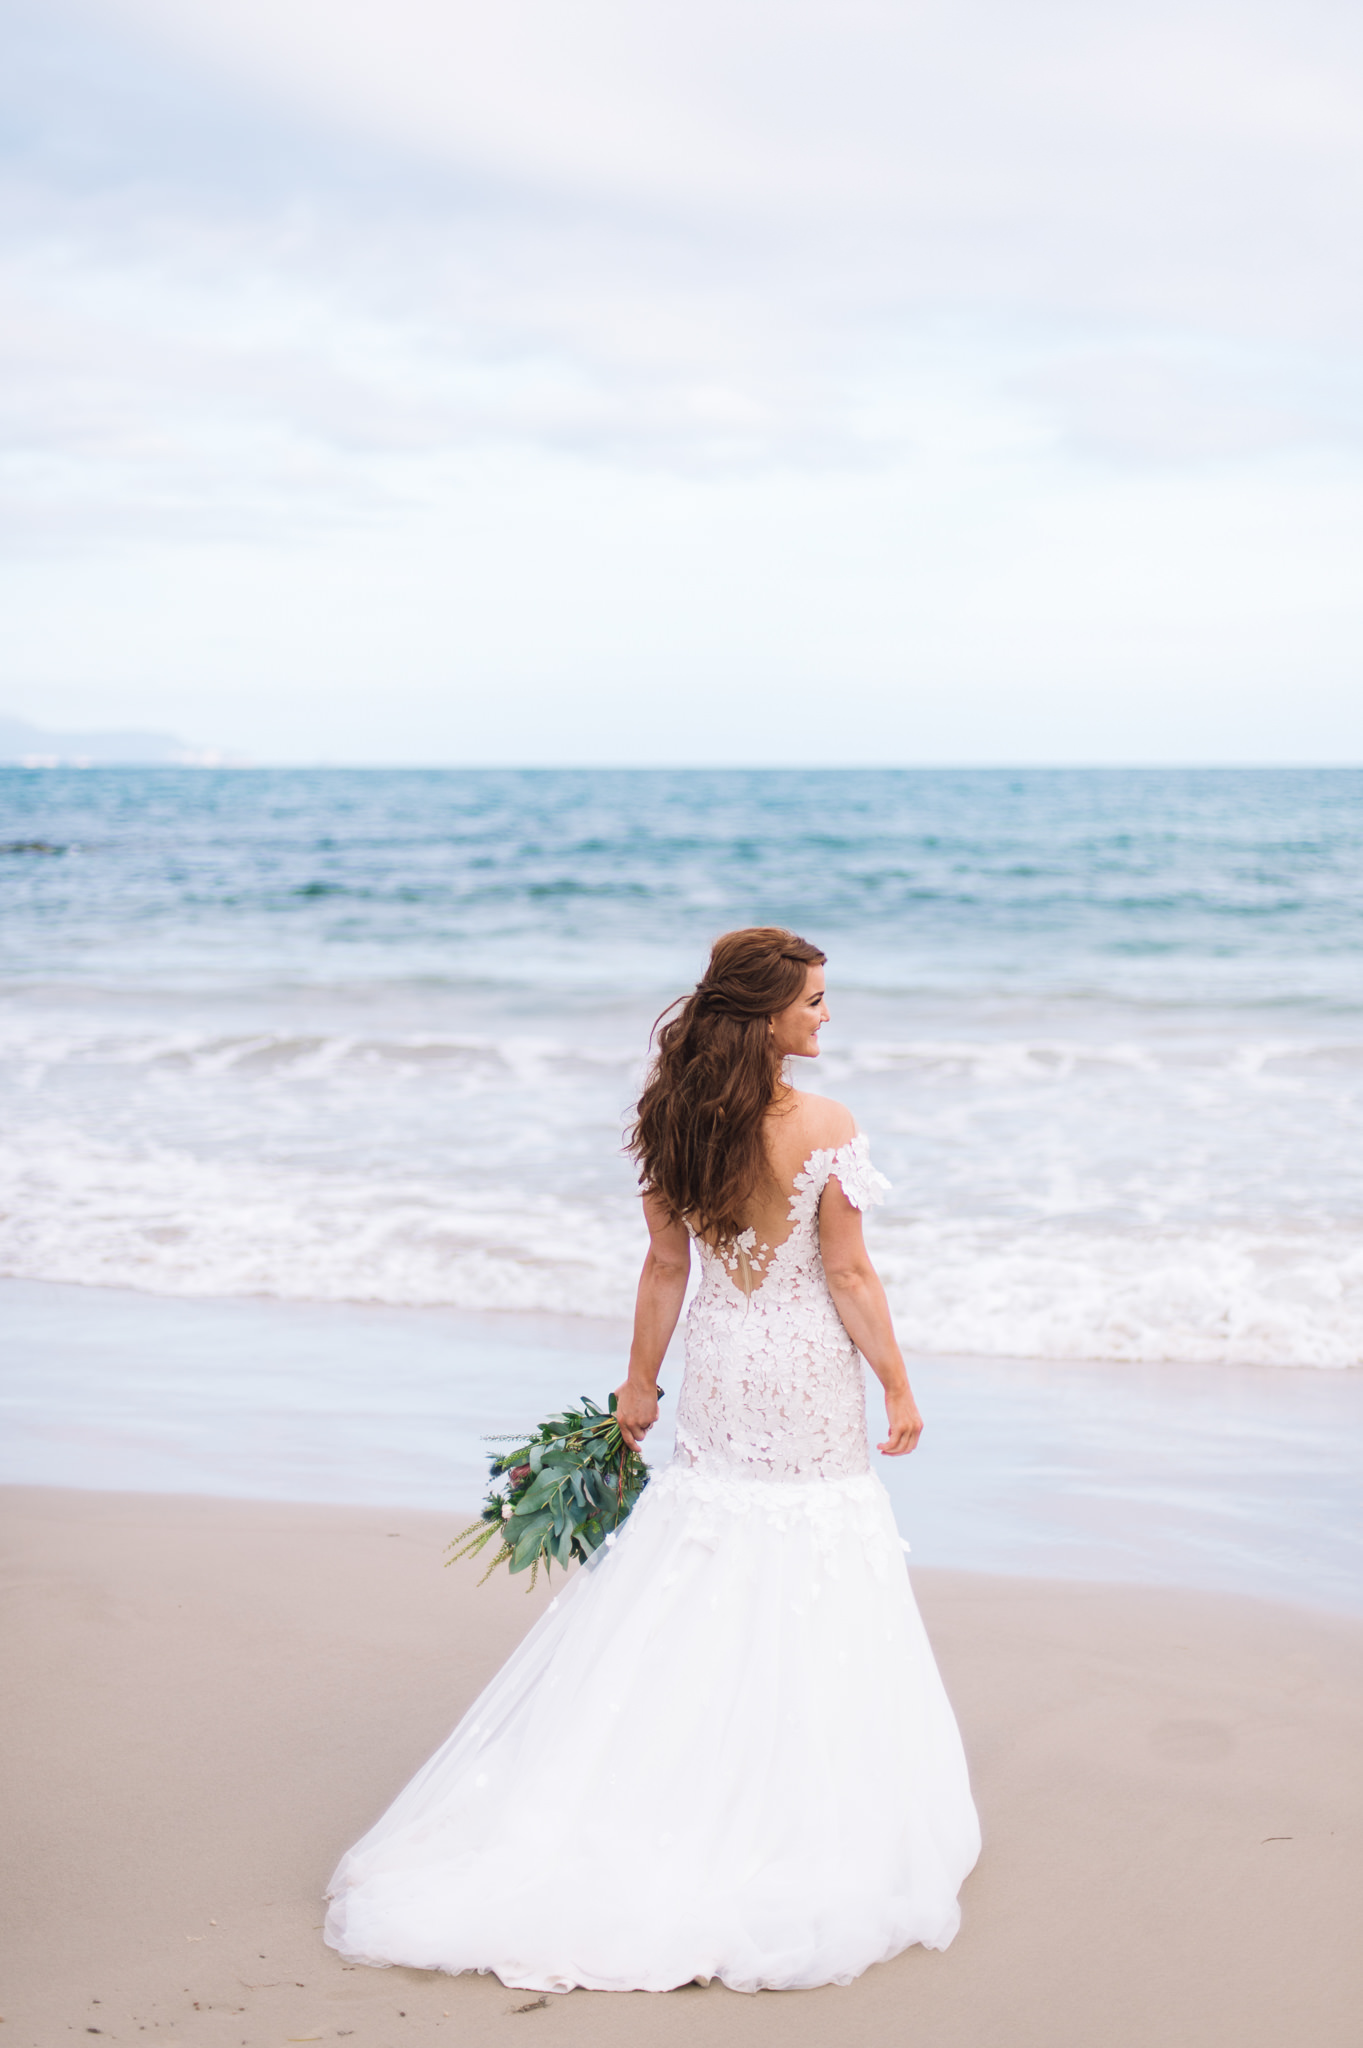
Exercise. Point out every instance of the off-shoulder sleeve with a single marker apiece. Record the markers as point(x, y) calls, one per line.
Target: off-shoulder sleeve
point(858, 1179)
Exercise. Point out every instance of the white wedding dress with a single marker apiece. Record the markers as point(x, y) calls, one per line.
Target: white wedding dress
point(724, 1750)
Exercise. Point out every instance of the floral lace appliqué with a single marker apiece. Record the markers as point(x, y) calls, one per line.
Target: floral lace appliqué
point(850, 1165)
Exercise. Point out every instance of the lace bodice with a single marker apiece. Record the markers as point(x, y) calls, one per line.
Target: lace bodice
point(774, 1386)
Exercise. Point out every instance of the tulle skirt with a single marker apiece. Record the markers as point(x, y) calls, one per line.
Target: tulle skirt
point(724, 1751)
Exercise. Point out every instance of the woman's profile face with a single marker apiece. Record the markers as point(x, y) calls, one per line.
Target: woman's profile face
point(796, 1028)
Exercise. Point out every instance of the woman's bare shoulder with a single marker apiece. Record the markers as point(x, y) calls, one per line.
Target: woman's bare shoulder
point(823, 1123)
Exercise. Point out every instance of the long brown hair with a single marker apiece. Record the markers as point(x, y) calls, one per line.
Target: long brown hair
point(697, 1134)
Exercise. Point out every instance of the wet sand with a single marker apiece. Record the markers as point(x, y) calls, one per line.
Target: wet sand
point(206, 1700)
point(1237, 1479)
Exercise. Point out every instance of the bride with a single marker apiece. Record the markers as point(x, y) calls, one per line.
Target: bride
point(724, 1750)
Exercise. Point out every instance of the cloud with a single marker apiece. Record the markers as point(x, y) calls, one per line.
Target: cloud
point(702, 237)
point(1167, 162)
point(1183, 402)
point(905, 343)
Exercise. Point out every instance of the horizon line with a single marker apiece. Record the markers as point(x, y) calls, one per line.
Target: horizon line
point(239, 766)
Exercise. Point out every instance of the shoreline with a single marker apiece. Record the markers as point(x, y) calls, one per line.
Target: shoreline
point(206, 1700)
point(1241, 1479)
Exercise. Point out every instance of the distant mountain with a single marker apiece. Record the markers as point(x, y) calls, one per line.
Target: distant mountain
point(31, 746)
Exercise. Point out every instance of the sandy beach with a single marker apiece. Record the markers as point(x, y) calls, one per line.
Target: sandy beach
point(206, 1700)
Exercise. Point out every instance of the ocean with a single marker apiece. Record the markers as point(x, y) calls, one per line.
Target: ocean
point(372, 1036)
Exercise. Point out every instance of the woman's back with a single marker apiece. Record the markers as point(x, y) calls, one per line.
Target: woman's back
point(774, 1386)
point(795, 1128)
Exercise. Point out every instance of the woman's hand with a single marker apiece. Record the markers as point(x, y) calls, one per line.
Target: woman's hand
point(636, 1411)
point(905, 1424)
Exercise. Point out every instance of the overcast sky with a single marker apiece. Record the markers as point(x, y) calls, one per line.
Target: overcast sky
point(833, 381)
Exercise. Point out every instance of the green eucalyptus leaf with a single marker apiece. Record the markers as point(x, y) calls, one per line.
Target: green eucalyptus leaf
point(541, 1491)
point(528, 1541)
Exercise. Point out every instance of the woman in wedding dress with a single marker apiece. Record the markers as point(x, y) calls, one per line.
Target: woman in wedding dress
point(724, 1750)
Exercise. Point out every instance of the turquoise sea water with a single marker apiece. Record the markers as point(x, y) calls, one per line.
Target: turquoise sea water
point(370, 1036)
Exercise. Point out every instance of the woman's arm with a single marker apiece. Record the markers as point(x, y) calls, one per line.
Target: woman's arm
point(860, 1300)
point(662, 1290)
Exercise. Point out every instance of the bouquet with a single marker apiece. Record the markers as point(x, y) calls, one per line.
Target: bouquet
point(569, 1487)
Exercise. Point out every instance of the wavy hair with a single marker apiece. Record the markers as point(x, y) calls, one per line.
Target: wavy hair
point(697, 1135)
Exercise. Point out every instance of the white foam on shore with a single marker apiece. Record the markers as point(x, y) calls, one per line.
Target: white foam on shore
point(1193, 1297)
point(1193, 1199)
point(168, 1223)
